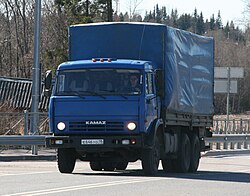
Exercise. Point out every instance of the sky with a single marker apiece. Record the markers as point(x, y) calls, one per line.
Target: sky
point(229, 9)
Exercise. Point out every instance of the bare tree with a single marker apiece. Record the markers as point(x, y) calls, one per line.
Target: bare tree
point(246, 14)
point(18, 21)
point(133, 6)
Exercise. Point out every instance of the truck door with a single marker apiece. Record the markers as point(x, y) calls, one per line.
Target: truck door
point(151, 100)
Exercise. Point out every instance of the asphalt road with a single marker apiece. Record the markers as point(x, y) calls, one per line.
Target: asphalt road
point(226, 173)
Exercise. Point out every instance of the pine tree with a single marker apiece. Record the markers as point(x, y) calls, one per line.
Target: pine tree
point(200, 27)
point(164, 14)
point(121, 17)
point(158, 14)
point(218, 22)
point(174, 18)
point(212, 22)
point(184, 21)
point(194, 21)
point(227, 30)
point(126, 17)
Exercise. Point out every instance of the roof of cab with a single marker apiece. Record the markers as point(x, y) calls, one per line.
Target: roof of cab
point(114, 63)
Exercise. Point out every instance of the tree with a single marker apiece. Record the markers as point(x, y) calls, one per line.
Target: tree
point(157, 14)
point(200, 27)
point(133, 5)
point(247, 14)
point(184, 21)
point(121, 17)
point(194, 23)
point(218, 22)
point(17, 37)
point(212, 22)
point(164, 15)
point(109, 10)
point(174, 18)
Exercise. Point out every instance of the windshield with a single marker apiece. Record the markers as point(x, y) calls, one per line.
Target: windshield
point(99, 82)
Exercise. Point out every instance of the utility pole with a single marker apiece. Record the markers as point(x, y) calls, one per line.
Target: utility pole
point(36, 74)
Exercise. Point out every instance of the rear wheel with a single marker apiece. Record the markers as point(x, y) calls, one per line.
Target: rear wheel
point(95, 166)
point(183, 160)
point(66, 160)
point(195, 153)
point(168, 165)
point(151, 158)
point(121, 165)
point(108, 166)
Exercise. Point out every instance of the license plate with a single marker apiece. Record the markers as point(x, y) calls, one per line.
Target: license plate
point(92, 141)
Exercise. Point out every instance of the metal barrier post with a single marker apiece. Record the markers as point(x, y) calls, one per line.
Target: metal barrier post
point(225, 145)
point(218, 145)
point(232, 145)
point(239, 145)
point(245, 146)
point(26, 122)
point(217, 125)
point(34, 150)
point(241, 126)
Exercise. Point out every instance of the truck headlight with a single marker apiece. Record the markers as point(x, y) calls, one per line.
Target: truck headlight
point(61, 126)
point(131, 126)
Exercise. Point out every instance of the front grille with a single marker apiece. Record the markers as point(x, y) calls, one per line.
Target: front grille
point(108, 126)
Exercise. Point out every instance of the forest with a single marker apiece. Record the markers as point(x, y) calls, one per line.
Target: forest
point(17, 36)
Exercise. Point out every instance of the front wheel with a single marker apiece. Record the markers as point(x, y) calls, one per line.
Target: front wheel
point(66, 160)
point(151, 159)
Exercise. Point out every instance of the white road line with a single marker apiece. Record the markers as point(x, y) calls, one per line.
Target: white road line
point(82, 187)
point(30, 173)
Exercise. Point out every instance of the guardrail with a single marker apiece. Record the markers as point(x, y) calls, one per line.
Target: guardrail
point(22, 140)
point(223, 138)
point(242, 140)
point(233, 126)
point(232, 134)
point(229, 141)
point(229, 138)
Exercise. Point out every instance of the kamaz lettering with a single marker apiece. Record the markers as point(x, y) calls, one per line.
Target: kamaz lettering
point(95, 122)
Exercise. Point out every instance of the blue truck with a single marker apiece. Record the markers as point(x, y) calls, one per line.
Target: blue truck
point(132, 91)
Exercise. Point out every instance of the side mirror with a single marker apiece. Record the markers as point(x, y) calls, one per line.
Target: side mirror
point(159, 81)
point(48, 83)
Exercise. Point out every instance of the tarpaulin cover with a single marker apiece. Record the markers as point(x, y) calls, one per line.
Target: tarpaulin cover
point(186, 59)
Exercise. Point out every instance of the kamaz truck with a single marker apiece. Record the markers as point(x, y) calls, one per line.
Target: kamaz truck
point(132, 91)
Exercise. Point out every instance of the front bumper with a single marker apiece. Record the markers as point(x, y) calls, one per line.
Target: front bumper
point(108, 142)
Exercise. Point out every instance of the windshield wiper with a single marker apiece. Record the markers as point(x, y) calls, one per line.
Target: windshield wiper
point(115, 93)
point(77, 93)
point(93, 93)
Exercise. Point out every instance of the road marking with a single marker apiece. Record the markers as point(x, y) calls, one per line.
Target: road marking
point(86, 186)
point(30, 173)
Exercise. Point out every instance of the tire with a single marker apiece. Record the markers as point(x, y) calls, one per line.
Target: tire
point(151, 159)
point(108, 166)
point(121, 165)
point(168, 165)
point(195, 153)
point(184, 155)
point(95, 166)
point(66, 160)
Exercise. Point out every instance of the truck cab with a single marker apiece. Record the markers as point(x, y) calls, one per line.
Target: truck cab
point(102, 111)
